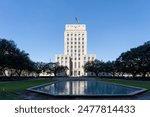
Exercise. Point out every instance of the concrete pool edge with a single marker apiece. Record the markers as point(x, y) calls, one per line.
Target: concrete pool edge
point(141, 90)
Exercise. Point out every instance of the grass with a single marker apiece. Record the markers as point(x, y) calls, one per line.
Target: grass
point(143, 84)
point(8, 90)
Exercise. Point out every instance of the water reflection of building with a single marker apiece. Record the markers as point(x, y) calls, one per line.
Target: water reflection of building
point(74, 87)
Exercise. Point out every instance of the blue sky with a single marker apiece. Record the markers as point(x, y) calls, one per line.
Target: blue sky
point(37, 26)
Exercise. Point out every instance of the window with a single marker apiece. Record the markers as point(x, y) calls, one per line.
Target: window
point(71, 46)
point(75, 38)
point(75, 42)
point(65, 57)
point(82, 46)
point(74, 46)
point(82, 38)
point(71, 42)
point(82, 34)
point(78, 38)
point(67, 34)
point(78, 72)
point(75, 35)
point(68, 39)
point(67, 42)
point(82, 42)
point(75, 65)
point(79, 64)
point(71, 34)
point(79, 58)
point(79, 34)
point(79, 54)
point(79, 42)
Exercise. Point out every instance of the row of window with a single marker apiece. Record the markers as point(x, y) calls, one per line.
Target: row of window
point(75, 65)
point(74, 47)
point(75, 34)
point(76, 58)
point(88, 58)
point(62, 58)
point(62, 62)
point(75, 43)
point(75, 51)
point(74, 54)
point(75, 38)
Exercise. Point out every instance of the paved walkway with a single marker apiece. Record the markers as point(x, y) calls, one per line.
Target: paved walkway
point(35, 96)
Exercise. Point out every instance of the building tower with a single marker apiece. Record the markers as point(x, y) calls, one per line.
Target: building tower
point(75, 49)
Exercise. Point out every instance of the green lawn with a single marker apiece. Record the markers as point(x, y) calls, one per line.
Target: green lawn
point(144, 84)
point(8, 90)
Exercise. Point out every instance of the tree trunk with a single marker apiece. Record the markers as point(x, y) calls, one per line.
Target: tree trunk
point(3, 71)
point(134, 75)
point(96, 74)
point(113, 73)
point(20, 73)
point(11, 74)
point(55, 73)
point(122, 74)
point(143, 75)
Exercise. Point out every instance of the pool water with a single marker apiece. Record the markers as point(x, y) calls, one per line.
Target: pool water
point(86, 88)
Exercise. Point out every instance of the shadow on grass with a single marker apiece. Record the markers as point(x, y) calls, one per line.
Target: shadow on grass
point(9, 96)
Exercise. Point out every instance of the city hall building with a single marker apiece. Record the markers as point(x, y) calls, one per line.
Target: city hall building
point(75, 50)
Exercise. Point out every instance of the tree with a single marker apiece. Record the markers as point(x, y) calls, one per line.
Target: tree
point(12, 59)
point(109, 67)
point(55, 68)
point(135, 61)
point(7, 49)
point(39, 67)
point(95, 66)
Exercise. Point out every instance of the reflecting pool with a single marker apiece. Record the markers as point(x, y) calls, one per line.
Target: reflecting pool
point(86, 88)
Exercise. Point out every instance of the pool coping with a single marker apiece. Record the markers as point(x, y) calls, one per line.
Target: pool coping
point(141, 90)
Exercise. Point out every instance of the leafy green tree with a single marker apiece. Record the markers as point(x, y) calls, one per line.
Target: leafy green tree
point(39, 67)
point(12, 59)
point(55, 68)
point(136, 61)
point(94, 66)
point(7, 49)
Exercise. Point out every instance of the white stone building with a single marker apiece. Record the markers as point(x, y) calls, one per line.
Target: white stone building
point(75, 50)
